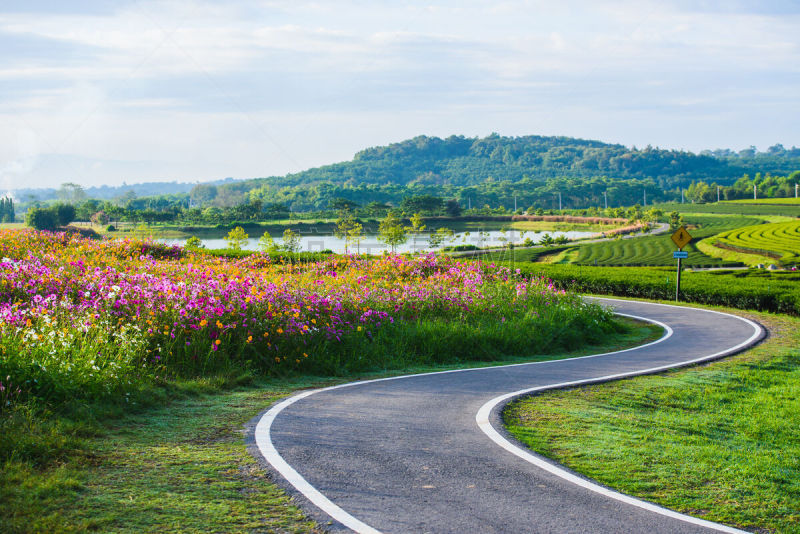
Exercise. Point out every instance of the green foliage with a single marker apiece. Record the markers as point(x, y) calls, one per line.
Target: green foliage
point(675, 220)
point(440, 236)
point(236, 238)
point(7, 209)
point(194, 243)
point(291, 240)
point(347, 228)
point(773, 291)
point(391, 231)
point(41, 219)
point(266, 243)
point(65, 213)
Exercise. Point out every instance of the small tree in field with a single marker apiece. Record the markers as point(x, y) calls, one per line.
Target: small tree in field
point(391, 231)
point(416, 227)
point(291, 240)
point(194, 243)
point(266, 243)
point(236, 238)
point(344, 226)
point(439, 237)
point(356, 235)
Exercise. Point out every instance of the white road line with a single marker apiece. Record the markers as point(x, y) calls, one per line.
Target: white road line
point(482, 419)
point(264, 443)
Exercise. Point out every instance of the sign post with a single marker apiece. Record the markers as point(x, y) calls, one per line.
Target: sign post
point(681, 238)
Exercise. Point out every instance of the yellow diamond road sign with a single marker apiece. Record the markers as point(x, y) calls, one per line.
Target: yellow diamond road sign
point(681, 237)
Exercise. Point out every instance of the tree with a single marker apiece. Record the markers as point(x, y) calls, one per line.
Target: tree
point(194, 243)
point(343, 204)
point(356, 235)
point(202, 194)
point(71, 193)
point(344, 226)
point(7, 209)
point(416, 227)
point(291, 240)
point(391, 231)
point(65, 213)
point(675, 220)
point(438, 237)
point(100, 218)
point(236, 238)
point(453, 208)
point(376, 208)
point(266, 243)
point(41, 219)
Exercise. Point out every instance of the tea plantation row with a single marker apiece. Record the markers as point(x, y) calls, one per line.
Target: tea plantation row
point(773, 291)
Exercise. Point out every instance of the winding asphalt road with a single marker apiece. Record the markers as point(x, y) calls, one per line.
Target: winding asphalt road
point(428, 453)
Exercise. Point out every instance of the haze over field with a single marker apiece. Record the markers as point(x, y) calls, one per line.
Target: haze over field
point(100, 93)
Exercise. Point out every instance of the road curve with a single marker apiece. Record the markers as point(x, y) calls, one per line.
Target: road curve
point(428, 453)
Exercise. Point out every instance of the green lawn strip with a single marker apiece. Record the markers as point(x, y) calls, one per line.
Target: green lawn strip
point(730, 208)
point(179, 464)
point(719, 441)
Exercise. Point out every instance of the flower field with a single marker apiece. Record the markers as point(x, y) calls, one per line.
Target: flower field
point(82, 317)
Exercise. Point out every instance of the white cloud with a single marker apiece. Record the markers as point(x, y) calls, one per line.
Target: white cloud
point(265, 87)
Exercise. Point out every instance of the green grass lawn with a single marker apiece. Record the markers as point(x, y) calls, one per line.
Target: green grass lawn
point(789, 201)
point(732, 208)
point(719, 441)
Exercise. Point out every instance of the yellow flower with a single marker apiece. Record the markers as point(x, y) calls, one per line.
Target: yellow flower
point(217, 342)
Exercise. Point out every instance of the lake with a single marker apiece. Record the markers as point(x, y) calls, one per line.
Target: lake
point(314, 242)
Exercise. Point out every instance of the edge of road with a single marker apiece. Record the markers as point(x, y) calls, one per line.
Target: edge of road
point(490, 413)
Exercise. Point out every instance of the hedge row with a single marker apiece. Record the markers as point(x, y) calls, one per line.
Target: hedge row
point(773, 291)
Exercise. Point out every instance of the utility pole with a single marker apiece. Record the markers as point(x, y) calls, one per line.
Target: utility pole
point(515, 203)
point(605, 198)
point(755, 192)
point(559, 201)
point(795, 190)
point(644, 197)
point(469, 203)
point(682, 200)
point(717, 193)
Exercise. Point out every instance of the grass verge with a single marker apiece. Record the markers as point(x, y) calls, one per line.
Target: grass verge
point(178, 462)
point(717, 442)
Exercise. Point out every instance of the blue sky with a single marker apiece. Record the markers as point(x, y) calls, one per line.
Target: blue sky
point(101, 92)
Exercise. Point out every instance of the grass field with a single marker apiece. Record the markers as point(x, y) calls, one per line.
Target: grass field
point(717, 442)
point(776, 241)
point(790, 201)
point(732, 208)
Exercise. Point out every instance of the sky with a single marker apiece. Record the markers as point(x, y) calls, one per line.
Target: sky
point(110, 91)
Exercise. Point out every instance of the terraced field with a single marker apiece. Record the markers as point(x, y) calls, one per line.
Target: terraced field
point(657, 250)
point(637, 251)
point(779, 241)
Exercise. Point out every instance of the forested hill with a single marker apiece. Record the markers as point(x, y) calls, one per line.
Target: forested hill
point(463, 161)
